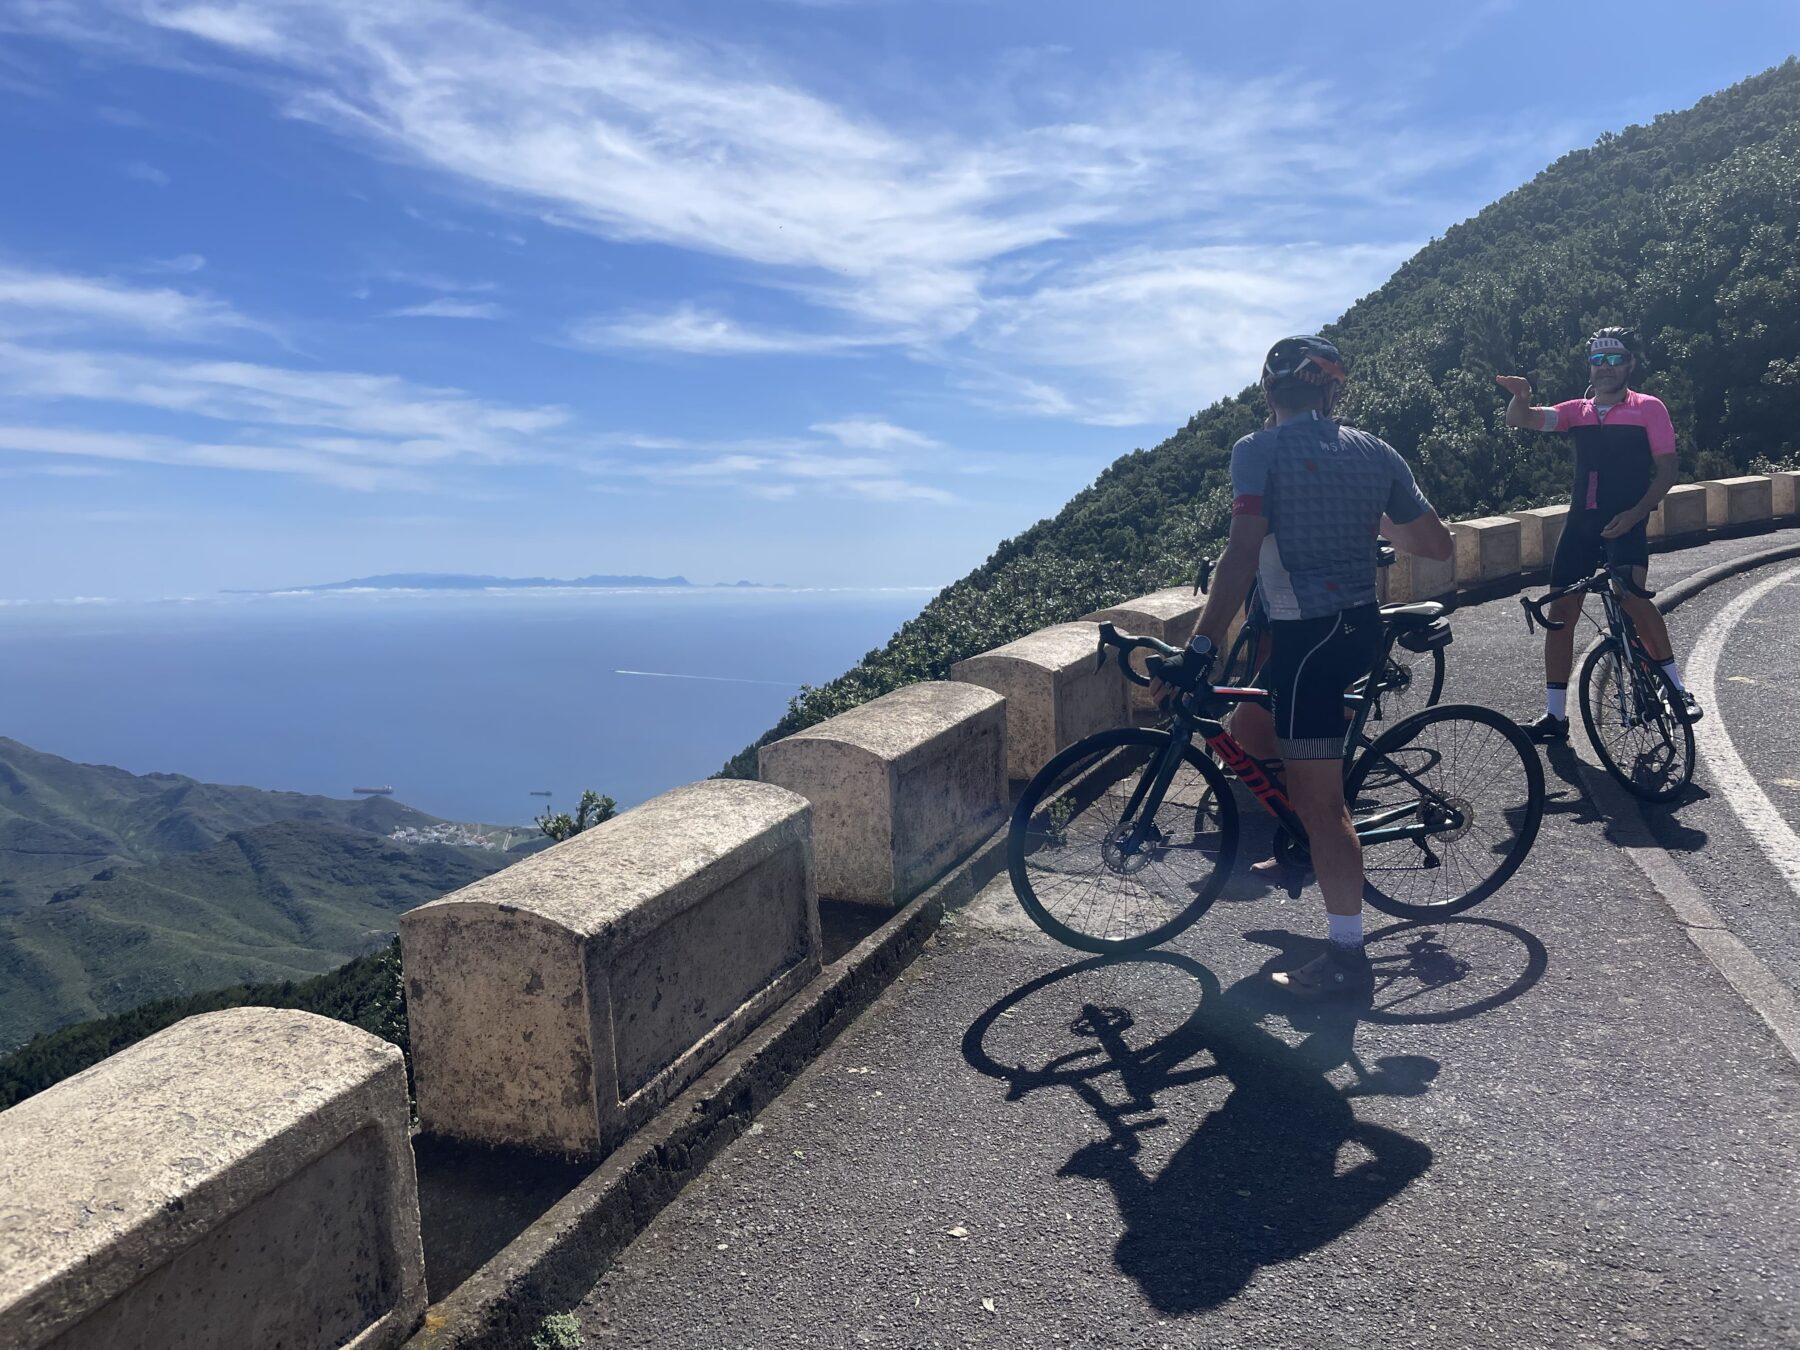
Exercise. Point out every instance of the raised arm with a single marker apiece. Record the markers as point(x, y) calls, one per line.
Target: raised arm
point(1520, 412)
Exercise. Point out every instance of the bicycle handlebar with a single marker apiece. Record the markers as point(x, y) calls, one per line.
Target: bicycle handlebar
point(1614, 573)
point(1127, 644)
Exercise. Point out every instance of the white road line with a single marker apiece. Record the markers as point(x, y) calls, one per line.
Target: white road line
point(1730, 775)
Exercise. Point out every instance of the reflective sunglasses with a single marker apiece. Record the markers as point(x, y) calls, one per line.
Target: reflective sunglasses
point(1607, 358)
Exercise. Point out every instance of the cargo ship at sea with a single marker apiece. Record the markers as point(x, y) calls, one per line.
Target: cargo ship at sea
point(373, 792)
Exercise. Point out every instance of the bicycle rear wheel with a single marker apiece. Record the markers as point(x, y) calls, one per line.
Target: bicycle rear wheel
point(1070, 852)
point(1631, 711)
point(1474, 780)
point(1240, 663)
point(1409, 681)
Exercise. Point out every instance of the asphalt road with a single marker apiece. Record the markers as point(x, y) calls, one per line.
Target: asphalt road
point(1557, 1125)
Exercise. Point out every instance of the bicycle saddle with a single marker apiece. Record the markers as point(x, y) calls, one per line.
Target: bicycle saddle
point(1407, 618)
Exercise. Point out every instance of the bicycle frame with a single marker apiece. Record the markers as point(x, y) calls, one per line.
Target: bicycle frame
point(1370, 829)
point(1620, 627)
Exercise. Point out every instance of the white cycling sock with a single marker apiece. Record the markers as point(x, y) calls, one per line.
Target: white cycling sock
point(1344, 929)
point(1556, 700)
point(1673, 674)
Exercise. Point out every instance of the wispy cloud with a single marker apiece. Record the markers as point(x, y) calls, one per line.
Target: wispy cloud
point(181, 264)
point(35, 301)
point(874, 433)
point(145, 172)
point(722, 152)
point(144, 449)
point(703, 332)
point(447, 308)
point(1147, 336)
point(867, 457)
point(346, 428)
point(1111, 245)
point(434, 281)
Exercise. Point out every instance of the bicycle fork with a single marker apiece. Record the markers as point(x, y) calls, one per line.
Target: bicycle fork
point(1150, 791)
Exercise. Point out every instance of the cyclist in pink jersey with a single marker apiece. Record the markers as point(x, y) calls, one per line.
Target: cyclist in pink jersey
point(1625, 463)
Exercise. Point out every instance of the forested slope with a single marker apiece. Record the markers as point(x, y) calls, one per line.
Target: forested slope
point(1685, 228)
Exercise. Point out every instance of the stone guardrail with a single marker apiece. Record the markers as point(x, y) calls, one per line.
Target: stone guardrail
point(242, 1178)
point(1055, 693)
point(557, 1004)
point(901, 788)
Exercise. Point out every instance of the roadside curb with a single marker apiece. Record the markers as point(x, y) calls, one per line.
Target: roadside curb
point(1760, 988)
point(553, 1264)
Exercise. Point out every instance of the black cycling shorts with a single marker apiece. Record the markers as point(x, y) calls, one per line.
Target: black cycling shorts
point(1581, 549)
point(1311, 663)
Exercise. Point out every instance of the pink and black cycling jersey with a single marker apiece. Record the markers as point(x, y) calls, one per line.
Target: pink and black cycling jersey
point(1615, 449)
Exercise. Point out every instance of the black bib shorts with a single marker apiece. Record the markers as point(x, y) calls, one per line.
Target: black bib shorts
point(1311, 663)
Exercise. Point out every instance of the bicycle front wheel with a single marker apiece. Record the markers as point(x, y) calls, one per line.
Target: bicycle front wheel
point(1631, 710)
point(1088, 866)
point(1461, 790)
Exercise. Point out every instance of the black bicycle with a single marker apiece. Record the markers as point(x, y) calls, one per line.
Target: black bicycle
point(1630, 707)
point(1127, 837)
point(1410, 676)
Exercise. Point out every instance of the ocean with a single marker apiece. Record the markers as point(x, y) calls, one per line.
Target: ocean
point(464, 703)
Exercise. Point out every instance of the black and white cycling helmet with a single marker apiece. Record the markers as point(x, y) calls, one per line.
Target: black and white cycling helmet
point(1614, 340)
point(1312, 360)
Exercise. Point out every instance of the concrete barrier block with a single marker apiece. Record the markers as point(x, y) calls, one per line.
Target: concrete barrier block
point(1739, 501)
point(1684, 510)
point(1054, 695)
point(1487, 548)
point(1414, 578)
point(1540, 530)
point(557, 1004)
point(900, 788)
point(1170, 615)
point(1784, 493)
point(243, 1178)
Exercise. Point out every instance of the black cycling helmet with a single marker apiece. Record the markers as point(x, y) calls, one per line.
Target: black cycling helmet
point(1311, 360)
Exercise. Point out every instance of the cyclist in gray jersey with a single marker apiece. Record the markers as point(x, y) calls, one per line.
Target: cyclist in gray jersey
point(1309, 497)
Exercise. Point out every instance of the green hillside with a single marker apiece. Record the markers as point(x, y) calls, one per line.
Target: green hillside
point(279, 902)
point(61, 822)
point(1686, 228)
point(117, 888)
point(365, 993)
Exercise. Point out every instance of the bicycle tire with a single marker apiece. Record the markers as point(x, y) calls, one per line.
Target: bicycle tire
point(1672, 730)
point(1516, 807)
point(1083, 768)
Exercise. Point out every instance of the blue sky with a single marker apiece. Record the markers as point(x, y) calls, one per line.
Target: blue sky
point(816, 291)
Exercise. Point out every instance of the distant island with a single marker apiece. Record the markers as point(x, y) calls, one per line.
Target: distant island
point(459, 581)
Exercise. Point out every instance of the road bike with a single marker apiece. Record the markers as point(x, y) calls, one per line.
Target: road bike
point(1410, 675)
point(1127, 837)
point(1630, 707)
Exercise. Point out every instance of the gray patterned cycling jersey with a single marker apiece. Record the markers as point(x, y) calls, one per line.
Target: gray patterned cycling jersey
point(1323, 489)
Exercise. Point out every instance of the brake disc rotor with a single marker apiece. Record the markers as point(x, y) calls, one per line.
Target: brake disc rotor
point(1441, 810)
point(1118, 861)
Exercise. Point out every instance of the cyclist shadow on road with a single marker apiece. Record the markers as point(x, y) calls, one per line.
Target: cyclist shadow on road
point(1281, 1167)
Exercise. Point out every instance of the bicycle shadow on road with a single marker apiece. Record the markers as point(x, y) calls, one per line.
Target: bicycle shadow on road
point(1283, 1165)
